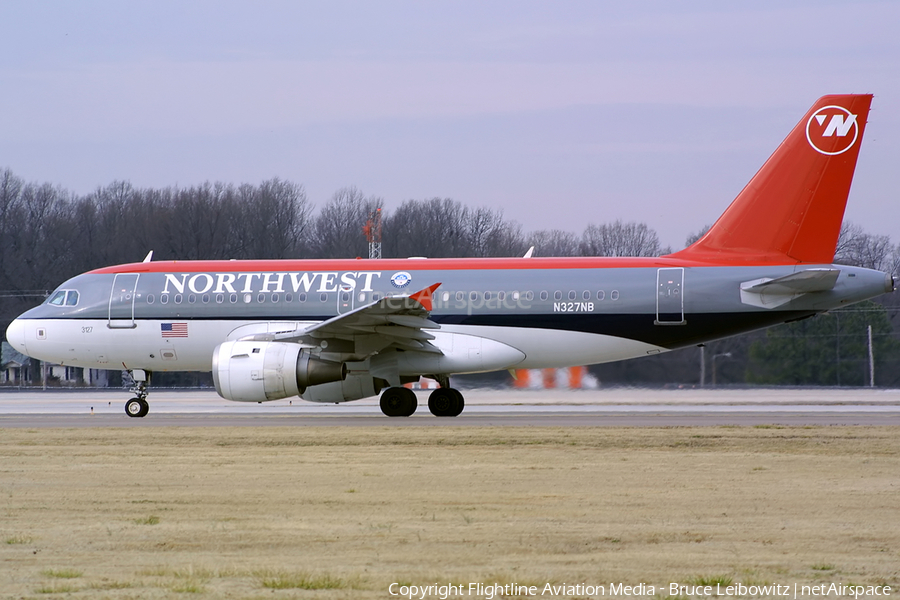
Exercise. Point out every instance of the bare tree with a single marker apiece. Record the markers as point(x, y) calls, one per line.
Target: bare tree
point(620, 239)
point(693, 237)
point(434, 228)
point(338, 228)
point(860, 249)
point(554, 242)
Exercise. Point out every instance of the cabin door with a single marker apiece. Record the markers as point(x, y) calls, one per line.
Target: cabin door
point(121, 301)
point(670, 296)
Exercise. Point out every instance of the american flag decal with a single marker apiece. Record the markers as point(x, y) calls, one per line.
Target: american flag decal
point(173, 330)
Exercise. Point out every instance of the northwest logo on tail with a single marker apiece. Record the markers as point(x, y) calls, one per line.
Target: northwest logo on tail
point(832, 130)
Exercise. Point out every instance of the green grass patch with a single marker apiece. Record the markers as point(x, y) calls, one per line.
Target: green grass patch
point(18, 539)
point(151, 520)
point(62, 573)
point(822, 567)
point(56, 589)
point(301, 580)
point(704, 580)
point(188, 587)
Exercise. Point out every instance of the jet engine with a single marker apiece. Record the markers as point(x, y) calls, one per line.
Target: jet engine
point(248, 371)
point(354, 387)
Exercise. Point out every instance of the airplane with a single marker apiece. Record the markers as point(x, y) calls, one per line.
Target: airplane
point(340, 330)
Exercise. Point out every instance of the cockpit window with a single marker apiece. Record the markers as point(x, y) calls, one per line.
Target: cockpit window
point(64, 298)
point(58, 298)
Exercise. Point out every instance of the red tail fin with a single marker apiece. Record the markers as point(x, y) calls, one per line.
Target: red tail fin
point(791, 211)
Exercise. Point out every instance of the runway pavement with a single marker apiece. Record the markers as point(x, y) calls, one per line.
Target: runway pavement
point(608, 407)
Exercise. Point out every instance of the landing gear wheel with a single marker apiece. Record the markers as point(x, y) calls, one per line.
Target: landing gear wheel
point(446, 402)
point(398, 402)
point(137, 407)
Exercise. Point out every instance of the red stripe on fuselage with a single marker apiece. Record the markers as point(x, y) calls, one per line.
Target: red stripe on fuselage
point(430, 264)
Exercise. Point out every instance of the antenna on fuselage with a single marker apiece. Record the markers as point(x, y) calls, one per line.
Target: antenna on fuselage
point(149, 257)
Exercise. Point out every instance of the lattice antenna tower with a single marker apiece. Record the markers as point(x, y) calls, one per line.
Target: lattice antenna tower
point(372, 229)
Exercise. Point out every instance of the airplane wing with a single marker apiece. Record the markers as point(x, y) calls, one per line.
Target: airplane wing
point(398, 321)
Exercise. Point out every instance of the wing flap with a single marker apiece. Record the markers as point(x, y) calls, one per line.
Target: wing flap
point(398, 321)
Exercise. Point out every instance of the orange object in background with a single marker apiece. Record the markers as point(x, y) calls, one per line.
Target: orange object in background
point(549, 378)
point(521, 379)
point(576, 374)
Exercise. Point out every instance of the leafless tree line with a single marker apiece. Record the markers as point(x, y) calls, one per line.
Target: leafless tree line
point(48, 234)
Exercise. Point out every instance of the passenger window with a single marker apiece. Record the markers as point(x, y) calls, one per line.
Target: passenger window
point(232, 298)
point(544, 295)
point(178, 298)
point(58, 298)
point(529, 295)
point(150, 298)
point(614, 295)
point(261, 298)
point(460, 296)
point(220, 298)
point(302, 297)
point(274, 297)
point(601, 295)
point(164, 299)
point(72, 298)
point(204, 298)
point(192, 298)
point(288, 297)
point(586, 295)
point(323, 297)
point(487, 296)
point(572, 294)
point(557, 295)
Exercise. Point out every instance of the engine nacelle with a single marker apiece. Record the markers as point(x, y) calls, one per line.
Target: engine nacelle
point(354, 387)
point(247, 371)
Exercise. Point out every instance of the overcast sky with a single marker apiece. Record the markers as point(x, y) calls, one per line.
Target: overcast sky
point(559, 113)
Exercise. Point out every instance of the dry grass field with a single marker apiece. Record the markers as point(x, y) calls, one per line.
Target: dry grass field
point(343, 512)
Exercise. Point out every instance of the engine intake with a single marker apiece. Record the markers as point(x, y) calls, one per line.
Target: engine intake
point(247, 371)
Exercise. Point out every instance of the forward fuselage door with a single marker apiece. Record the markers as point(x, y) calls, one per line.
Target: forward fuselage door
point(670, 296)
point(121, 301)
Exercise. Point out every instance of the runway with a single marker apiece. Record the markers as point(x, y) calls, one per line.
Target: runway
point(624, 407)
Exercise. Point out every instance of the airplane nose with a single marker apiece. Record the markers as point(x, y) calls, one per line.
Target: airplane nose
point(15, 335)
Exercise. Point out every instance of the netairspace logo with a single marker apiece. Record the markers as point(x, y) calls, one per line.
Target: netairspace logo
point(490, 591)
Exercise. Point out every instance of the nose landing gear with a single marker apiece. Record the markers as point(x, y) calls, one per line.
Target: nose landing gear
point(138, 406)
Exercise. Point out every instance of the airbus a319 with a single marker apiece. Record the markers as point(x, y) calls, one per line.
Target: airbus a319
point(341, 330)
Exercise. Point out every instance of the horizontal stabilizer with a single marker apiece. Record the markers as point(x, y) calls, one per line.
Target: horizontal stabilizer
point(769, 293)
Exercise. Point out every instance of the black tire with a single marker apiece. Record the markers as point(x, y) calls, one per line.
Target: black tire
point(398, 402)
point(445, 402)
point(145, 407)
point(136, 408)
point(460, 402)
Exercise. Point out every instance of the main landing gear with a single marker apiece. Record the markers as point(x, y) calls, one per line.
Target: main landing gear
point(402, 402)
point(138, 406)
